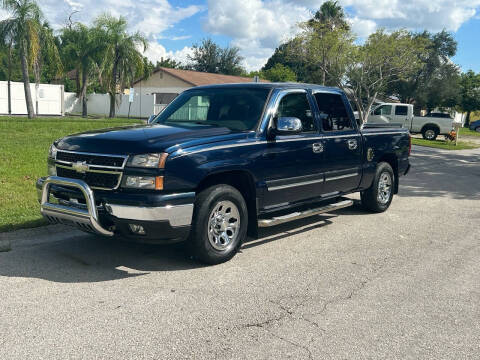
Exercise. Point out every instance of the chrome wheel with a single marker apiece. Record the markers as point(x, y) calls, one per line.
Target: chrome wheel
point(430, 134)
point(384, 188)
point(223, 225)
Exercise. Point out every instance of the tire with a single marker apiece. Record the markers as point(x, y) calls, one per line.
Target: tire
point(213, 238)
point(429, 133)
point(379, 196)
point(477, 129)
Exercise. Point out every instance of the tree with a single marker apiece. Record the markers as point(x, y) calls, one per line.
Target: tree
point(372, 67)
point(323, 50)
point(123, 56)
point(23, 28)
point(331, 16)
point(169, 63)
point(313, 54)
point(469, 94)
point(436, 68)
point(210, 57)
point(279, 73)
point(83, 49)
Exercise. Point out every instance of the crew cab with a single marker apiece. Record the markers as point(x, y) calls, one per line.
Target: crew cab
point(430, 125)
point(221, 161)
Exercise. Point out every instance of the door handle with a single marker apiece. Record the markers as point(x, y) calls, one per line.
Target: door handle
point(352, 144)
point(317, 148)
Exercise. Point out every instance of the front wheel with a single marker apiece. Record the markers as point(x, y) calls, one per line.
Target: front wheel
point(477, 129)
point(379, 196)
point(219, 225)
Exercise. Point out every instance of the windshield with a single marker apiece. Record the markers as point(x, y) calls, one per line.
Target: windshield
point(237, 109)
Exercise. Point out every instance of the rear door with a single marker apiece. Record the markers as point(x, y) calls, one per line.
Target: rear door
point(291, 164)
point(342, 144)
point(401, 116)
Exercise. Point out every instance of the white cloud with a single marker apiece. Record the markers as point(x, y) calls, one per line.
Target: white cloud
point(258, 26)
point(255, 26)
point(151, 17)
point(433, 15)
point(155, 52)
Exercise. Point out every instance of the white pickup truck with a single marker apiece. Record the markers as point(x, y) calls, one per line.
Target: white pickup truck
point(430, 126)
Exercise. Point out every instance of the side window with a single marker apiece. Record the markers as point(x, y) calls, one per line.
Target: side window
point(383, 110)
point(296, 105)
point(401, 110)
point(195, 109)
point(333, 114)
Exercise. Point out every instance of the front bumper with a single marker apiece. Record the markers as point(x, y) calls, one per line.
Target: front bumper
point(70, 201)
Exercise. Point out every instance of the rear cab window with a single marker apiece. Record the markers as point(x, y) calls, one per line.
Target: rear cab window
point(401, 110)
point(333, 113)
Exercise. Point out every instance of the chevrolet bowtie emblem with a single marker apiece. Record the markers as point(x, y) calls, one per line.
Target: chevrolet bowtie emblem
point(80, 167)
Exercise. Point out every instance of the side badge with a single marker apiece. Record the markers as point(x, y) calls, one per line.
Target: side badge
point(370, 154)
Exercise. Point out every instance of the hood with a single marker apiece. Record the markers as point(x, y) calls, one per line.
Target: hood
point(143, 139)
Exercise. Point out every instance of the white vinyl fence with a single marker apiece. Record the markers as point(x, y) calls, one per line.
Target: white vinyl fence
point(47, 101)
point(99, 104)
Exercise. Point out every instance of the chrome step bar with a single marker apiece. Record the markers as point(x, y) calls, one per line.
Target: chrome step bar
point(85, 219)
point(303, 214)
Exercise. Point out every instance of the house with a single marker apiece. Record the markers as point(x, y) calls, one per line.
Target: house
point(166, 83)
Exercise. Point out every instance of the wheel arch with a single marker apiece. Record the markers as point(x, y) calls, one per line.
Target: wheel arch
point(430, 125)
point(244, 182)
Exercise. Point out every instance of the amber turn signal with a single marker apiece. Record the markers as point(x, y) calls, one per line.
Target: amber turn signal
point(159, 183)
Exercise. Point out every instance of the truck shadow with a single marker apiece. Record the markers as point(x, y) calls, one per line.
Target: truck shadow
point(442, 174)
point(81, 258)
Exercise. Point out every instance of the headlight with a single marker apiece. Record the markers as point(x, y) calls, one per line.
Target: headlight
point(148, 160)
point(52, 152)
point(144, 182)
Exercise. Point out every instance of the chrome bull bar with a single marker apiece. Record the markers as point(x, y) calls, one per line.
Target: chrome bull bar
point(86, 220)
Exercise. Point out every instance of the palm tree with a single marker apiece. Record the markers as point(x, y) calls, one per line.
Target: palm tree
point(82, 49)
point(23, 27)
point(331, 16)
point(123, 58)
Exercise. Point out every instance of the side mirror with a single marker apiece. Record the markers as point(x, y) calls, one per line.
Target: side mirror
point(151, 118)
point(289, 126)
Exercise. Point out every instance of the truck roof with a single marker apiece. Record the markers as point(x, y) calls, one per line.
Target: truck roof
point(279, 85)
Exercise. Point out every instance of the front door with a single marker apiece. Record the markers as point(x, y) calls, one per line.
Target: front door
point(342, 142)
point(291, 163)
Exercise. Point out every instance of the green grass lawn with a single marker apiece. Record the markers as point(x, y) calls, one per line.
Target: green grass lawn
point(24, 146)
point(468, 132)
point(442, 144)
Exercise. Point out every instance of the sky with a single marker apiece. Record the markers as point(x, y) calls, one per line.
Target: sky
point(257, 27)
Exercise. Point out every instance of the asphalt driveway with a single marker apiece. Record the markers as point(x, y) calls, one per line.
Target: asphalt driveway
point(404, 284)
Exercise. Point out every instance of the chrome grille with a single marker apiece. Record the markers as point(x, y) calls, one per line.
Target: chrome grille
point(91, 159)
point(98, 180)
point(99, 171)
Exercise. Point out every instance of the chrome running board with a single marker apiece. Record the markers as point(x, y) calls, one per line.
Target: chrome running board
point(303, 214)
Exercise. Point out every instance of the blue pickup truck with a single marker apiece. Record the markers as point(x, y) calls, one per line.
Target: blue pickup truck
point(221, 161)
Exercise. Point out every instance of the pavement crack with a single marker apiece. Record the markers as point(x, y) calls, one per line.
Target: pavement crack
point(293, 343)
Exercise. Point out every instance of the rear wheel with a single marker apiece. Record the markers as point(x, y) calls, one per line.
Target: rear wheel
point(429, 133)
point(477, 129)
point(379, 196)
point(219, 225)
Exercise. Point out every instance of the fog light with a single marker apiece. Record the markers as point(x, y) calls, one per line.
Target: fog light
point(136, 229)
